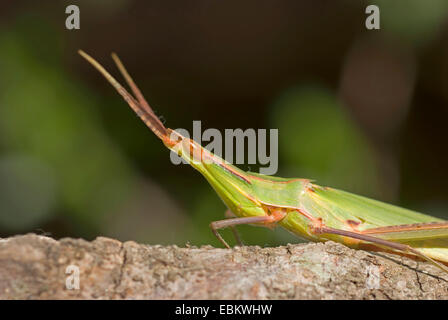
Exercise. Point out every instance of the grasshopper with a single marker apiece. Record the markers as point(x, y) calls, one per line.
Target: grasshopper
point(304, 208)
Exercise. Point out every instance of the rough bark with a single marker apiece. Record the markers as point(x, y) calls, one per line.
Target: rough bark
point(34, 267)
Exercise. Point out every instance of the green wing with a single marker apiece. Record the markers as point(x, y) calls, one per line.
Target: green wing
point(367, 212)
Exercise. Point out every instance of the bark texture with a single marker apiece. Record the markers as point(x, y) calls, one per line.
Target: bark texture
point(34, 267)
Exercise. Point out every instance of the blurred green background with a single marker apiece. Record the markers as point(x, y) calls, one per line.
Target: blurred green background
point(360, 110)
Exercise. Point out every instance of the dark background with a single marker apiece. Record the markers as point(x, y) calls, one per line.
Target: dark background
point(360, 110)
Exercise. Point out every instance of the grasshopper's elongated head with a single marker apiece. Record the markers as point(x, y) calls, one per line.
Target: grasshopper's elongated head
point(232, 184)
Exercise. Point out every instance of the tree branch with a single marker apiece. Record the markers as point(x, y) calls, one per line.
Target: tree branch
point(34, 267)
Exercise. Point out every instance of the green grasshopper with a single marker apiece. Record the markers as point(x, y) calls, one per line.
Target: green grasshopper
point(306, 209)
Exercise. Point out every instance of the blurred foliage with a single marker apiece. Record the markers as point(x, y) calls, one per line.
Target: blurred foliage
point(75, 161)
point(27, 192)
point(413, 20)
point(319, 140)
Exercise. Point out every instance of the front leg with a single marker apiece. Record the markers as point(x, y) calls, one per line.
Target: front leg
point(229, 214)
point(267, 219)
